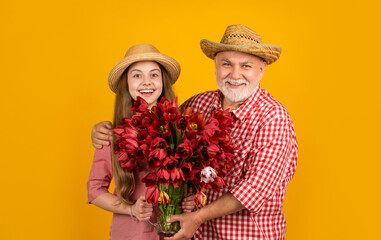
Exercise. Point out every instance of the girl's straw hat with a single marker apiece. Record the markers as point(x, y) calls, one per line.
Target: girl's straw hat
point(143, 52)
point(242, 39)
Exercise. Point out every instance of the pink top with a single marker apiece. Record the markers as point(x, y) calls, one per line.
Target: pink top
point(122, 226)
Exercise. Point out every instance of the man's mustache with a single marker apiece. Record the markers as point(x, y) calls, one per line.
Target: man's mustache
point(235, 81)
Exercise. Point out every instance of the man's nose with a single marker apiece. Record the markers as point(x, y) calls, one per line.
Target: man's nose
point(236, 73)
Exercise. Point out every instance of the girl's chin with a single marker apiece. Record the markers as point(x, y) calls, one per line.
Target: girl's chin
point(146, 95)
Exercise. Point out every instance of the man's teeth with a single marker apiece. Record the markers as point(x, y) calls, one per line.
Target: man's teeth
point(236, 84)
point(146, 91)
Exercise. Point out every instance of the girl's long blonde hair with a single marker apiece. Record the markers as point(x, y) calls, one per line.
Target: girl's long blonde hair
point(125, 181)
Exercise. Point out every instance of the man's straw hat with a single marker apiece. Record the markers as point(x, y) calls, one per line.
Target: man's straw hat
point(143, 52)
point(242, 39)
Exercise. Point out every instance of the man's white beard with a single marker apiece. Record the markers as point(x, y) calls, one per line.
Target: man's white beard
point(235, 95)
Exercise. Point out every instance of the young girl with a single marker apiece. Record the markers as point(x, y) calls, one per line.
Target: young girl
point(147, 73)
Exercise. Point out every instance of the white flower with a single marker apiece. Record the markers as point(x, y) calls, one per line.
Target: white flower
point(208, 174)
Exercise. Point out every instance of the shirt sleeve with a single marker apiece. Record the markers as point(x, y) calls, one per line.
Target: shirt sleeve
point(184, 105)
point(100, 174)
point(272, 151)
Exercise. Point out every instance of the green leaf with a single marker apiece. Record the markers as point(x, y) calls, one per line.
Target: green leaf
point(172, 145)
point(179, 138)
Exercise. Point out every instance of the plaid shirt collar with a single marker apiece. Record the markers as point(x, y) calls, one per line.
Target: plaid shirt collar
point(241, 112)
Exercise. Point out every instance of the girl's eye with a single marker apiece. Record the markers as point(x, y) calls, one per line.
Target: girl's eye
point(136, 75)
point(155, 75)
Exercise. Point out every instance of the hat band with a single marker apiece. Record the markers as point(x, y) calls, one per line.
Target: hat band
point(233, 38)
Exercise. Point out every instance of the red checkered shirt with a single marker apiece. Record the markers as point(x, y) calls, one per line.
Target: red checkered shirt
point(264, 163)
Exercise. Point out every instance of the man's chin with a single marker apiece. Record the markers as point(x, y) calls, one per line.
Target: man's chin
point(235, 97)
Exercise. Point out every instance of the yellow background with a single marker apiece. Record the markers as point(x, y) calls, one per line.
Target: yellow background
point(55, 59)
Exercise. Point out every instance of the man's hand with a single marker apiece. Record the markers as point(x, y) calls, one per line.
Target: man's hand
point(101, 134)
point(189, 223)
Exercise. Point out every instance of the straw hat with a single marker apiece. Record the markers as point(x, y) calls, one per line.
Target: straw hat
point(143, 52)
point(242, 39)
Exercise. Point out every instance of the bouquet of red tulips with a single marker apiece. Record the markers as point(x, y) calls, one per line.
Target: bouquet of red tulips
point(178, 151)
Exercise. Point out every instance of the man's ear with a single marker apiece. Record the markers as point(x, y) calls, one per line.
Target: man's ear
point(215, 65)
point(263, 66)
point(262, 69)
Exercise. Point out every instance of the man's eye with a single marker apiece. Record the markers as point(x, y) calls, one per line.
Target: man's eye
point(226, 64)
point(246, 66)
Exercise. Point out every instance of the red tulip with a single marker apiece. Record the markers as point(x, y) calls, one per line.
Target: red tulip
point(163, 176)
point(211, 127)
point(186, 167)
point(196, 123)
point(150, 179)
point(177, 176)
point(184, 150)
point(139, 105)
point(218, 182)
point(181, 123)
point(168, 109)
point(169, 162)
point(152, 194)
point(128, 165)
point(224, 118)
point(119, 130)
point(159, 128)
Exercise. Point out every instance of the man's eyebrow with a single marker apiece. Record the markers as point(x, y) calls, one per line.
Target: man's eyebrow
point(244, 62)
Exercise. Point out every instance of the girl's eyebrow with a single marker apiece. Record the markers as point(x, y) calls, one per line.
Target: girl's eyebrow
point(137, 70)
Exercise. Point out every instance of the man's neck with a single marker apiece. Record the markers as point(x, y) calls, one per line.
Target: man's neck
point(227, 104)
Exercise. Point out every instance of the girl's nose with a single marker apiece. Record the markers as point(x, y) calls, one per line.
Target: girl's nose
point(146, 80)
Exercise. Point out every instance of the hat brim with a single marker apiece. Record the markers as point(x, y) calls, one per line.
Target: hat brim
point(270, 53)
point(171, 65)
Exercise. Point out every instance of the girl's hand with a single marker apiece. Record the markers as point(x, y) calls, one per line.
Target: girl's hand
point(188, 204)
point(142, 210)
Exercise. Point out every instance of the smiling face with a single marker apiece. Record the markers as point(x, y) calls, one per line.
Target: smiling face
point(237, 75)
point(145, 80)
